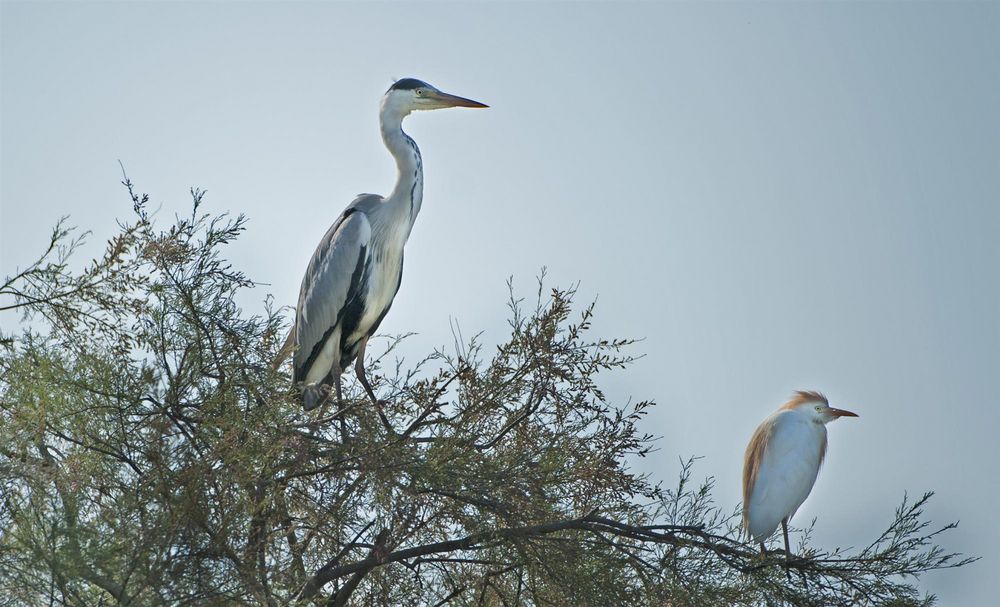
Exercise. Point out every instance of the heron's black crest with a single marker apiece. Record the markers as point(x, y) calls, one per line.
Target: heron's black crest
point(408, 84)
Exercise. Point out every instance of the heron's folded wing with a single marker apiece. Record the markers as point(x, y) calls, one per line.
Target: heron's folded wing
point(332, 280)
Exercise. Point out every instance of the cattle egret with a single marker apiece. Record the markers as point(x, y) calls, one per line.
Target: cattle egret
point(782, 461)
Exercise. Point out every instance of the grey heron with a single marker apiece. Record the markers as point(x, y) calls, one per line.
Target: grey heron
point(356, 270)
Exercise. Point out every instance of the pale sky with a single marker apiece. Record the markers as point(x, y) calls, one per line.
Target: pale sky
point(775, 196)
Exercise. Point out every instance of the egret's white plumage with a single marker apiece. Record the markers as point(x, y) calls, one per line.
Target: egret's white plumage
point(782, 461)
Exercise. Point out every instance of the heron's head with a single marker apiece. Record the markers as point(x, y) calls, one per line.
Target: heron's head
point(816, 406)
point(409, 94)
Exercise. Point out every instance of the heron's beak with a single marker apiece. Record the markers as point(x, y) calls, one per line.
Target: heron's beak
point(842, 413)
point(445, 100)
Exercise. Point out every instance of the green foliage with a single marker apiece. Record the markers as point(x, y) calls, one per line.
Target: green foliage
point(150, 453)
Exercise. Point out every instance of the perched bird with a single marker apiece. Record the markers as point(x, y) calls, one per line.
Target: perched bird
point(782, 461)
point(356, 270)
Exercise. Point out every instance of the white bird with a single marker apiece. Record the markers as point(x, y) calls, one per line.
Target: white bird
point(357, 268)
point(782, 461)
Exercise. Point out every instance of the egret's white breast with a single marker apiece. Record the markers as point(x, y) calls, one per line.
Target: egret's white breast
point(787, 472)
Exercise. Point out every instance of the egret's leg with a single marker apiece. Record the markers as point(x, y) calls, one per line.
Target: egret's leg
point(788, 551)
point(784, 531)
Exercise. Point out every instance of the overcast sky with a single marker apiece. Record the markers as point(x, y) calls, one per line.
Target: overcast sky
point(775, 196)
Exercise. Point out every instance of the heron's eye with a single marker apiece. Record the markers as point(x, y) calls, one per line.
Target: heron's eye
point(818, 407)
point(419, 92)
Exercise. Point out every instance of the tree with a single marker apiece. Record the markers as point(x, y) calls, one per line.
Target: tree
point(150, 454)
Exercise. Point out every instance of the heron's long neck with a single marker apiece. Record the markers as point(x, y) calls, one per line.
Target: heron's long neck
point(409, 190)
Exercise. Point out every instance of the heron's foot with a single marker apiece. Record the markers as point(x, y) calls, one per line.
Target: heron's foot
point(370, 392)
point(379, 408)
point(378, 402)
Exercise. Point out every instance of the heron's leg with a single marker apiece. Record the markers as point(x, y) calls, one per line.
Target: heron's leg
point(340, 402)
point(336, 385)
point(359, 370)
point(763, 550)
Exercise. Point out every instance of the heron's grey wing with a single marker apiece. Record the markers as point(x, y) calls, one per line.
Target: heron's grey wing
point(334, 278)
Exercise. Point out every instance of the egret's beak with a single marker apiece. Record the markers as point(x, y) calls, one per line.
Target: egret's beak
point(445, 100)
point(841, 413)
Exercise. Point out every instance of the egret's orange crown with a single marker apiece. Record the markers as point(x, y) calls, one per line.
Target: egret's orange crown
point(805, 396)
